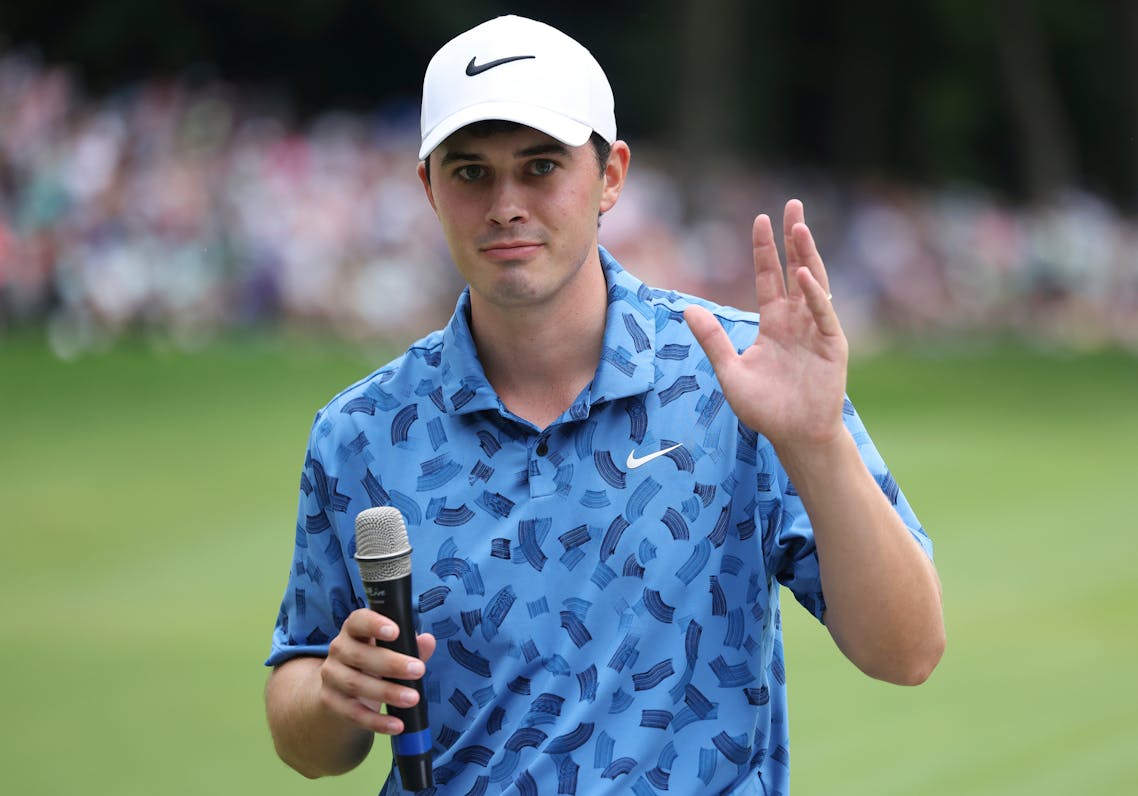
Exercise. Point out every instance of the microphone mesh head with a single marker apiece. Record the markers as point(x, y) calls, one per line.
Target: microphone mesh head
point(382, 549)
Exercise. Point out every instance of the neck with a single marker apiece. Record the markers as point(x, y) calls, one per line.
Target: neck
point(538, 359)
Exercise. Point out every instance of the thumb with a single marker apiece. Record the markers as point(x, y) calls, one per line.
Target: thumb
point(711, 338)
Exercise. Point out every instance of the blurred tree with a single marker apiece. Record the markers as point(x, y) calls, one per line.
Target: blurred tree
point(1048, 153)
point(1130, 33)
point(707, 95)
point(705, 118)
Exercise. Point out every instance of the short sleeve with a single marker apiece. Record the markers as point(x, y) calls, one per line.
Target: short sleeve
point(789, 546)
point(319, 594)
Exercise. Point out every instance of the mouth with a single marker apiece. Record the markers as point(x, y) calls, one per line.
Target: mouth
point(511, 250)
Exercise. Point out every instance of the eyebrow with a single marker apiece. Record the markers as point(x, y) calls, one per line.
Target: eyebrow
point(553, 148)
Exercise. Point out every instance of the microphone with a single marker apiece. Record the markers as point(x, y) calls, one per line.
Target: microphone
point(383, 555)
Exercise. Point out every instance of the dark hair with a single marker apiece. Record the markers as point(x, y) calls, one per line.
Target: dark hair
point(489, 127)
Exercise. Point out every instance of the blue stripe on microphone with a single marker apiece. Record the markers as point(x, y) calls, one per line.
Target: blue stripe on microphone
point(412, 743)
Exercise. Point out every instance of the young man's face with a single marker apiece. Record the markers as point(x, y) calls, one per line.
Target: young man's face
point(520, 210)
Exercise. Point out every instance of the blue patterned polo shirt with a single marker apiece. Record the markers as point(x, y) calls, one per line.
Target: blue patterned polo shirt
point(605, 591)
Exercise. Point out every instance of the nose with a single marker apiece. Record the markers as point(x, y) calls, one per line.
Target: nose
point(507, 204)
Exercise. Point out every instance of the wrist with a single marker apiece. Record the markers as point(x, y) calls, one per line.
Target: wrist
point(809, 460)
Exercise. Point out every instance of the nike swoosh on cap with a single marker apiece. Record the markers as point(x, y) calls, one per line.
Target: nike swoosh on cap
point(473, 69)
point(633, 462)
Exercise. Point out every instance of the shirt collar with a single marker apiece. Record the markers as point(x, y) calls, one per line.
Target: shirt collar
point(626, 368)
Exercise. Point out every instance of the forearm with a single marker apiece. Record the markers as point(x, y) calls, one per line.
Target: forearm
point(883, 601)
point(307, 735)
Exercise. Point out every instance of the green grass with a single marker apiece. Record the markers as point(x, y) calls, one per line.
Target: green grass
point(1021, 467)
point(148, 508)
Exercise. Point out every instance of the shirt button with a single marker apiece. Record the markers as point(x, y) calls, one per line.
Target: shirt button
point(542, 448)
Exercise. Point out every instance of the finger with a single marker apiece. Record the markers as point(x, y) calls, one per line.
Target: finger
point(360, 653)
point(346, 689)
point(793, 214)
point(363, 713)
point(365, 625)
point(806, 251)
point(427, 646)
point(383, 685)
point(770, 284)
point(711, 338)
point(819, 301)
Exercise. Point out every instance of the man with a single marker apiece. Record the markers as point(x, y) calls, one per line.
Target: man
point(603, 495)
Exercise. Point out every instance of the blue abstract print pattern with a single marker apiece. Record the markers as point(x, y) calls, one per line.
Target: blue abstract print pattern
point(605, 592)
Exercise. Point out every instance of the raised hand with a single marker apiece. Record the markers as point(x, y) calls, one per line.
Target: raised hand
point(789, 385)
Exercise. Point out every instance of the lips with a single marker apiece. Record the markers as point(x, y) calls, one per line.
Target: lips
point(511, 250)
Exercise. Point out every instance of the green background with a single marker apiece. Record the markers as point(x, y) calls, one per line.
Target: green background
point(148, 504)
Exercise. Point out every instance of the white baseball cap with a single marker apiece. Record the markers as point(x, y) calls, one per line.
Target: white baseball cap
point(517, 70)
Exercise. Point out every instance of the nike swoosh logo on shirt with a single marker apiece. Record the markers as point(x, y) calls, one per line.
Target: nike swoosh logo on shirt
point(633, 462)
point(473, 69)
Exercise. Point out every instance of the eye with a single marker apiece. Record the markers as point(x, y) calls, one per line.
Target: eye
point(543, 167)
point(470, 173)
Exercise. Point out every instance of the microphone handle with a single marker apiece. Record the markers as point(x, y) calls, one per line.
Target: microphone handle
point(412, 747)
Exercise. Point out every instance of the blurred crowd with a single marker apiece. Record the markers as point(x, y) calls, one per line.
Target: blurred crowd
point(187, 209)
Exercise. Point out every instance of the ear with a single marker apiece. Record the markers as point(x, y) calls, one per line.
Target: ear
point(615, 171)
point(422, 171)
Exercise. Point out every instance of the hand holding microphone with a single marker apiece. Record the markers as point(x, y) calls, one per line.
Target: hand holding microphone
point(376, 659)
point(384, 557)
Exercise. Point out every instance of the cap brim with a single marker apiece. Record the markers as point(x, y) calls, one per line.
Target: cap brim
point(568, 131)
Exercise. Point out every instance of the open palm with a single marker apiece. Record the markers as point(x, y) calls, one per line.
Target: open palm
point(790, 383)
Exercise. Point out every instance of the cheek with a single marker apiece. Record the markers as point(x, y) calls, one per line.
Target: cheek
point(578, 208)
point(454, 215)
